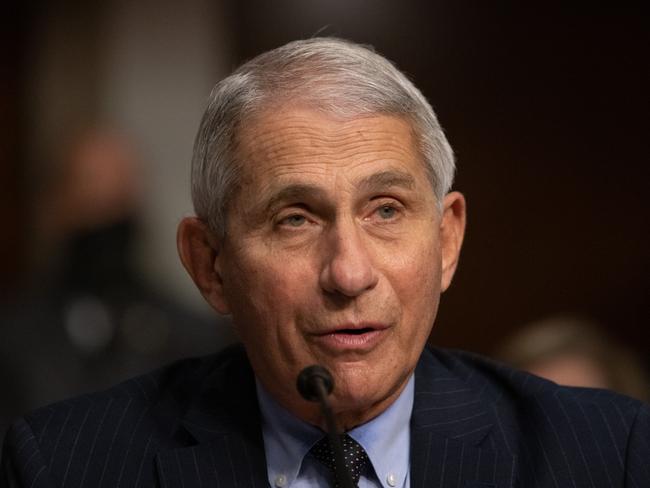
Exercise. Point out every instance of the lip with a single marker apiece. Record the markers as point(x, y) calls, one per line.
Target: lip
point(360, 337)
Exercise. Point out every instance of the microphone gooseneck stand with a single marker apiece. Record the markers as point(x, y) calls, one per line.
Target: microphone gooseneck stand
point(315, 383)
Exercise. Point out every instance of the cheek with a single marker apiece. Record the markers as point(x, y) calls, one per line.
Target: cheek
point(417, 286)
point(264, 290)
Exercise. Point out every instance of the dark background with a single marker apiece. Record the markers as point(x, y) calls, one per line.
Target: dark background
point(546, 108)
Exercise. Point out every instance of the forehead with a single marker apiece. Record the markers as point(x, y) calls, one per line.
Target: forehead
point(293, 143)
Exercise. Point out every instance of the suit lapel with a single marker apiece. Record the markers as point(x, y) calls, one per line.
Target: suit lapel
point(222, 426)
point(451, 428)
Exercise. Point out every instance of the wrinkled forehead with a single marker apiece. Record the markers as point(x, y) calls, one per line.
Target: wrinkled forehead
point(309, 158)
point(296, 137)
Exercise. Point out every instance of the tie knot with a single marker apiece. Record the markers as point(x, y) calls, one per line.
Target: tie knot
point(354, 455)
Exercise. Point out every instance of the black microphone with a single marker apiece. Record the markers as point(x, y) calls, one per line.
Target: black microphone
point(315, 383)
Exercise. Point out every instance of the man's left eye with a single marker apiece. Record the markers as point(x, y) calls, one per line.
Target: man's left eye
point(294, 220)
point(386, 212)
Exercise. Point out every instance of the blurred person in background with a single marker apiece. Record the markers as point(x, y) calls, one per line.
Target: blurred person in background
point(87, 319)
point(576, 352)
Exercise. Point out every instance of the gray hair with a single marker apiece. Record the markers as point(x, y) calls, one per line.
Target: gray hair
point(332, 75)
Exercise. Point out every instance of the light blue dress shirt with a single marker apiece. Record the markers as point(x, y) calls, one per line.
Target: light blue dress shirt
point(287, 440)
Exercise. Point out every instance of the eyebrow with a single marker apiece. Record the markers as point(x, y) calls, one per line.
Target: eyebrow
point(387, 179)
point(296, 191)
point(375, 182)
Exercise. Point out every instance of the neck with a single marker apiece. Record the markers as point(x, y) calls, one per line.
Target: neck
point(348, 419)
point(348, 414)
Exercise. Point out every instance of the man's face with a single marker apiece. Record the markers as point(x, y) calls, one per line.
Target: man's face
point(335, 254)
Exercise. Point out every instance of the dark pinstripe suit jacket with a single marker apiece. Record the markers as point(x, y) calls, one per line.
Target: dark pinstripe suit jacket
point(196, 423)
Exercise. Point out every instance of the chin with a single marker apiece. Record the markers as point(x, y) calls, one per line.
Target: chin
point(359, 394)
point(355, 407)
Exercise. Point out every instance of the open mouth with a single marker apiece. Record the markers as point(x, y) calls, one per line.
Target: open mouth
point(361, 331)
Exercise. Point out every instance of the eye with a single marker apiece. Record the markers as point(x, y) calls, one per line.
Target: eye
point(294, 220)
point(386, 212)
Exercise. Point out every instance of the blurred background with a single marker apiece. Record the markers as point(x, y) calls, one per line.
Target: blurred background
point(546, 108)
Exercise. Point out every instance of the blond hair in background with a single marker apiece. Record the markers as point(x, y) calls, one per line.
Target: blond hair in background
point(576, 352)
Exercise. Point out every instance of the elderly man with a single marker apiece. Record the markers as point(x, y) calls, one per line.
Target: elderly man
point(326, 228)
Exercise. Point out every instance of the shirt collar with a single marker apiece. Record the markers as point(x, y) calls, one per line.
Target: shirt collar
point(386, 438)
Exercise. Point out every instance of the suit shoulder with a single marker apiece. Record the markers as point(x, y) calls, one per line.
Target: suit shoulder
point(140, 391)
point(172, 385)
point(560, 436)
point(121, 428)
point(509, 388)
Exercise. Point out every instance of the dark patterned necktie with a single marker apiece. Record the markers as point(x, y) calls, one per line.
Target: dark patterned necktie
point(354, 455)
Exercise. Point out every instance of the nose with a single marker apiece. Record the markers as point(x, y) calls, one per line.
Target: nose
point(348, 268)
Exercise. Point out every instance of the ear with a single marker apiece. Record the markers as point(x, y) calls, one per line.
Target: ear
point(198, 249)
point(452, 230)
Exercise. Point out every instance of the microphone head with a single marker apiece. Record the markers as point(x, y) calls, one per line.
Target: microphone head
point(309, 379)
